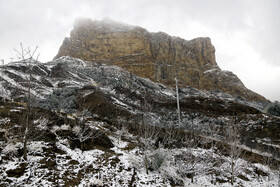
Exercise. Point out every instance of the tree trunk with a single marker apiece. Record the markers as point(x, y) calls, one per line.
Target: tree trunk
point(232, 174)
point(28, 115)
point(25, 138)
point(25, 148)
point(146, 164)
point(82, 146)
point(132, 178)
point(23, 53)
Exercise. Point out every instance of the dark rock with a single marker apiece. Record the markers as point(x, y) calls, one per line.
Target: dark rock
point(48, 136)
point(74, 143)
point(44, 135)
point(175, 182)
point(243, 177)
point(259, 172)
point(2, 136)
point(71, 137)
point(100, 140)
point(221, 180)
point(73, 162)
point(47, 163)
point(17, 172)
point(20, 152)
point(66, 134)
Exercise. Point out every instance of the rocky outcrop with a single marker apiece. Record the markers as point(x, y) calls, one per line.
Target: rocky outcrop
point(18, 171)
point(156, 56)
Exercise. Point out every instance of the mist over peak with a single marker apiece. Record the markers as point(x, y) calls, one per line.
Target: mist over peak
point(156, 56)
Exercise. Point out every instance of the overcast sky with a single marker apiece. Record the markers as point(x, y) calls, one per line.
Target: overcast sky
point(245, 33)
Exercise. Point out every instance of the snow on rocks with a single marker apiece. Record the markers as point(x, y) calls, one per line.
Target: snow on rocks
point(120, 166)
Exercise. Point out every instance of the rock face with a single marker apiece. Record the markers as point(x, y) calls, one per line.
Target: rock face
point(156, 56)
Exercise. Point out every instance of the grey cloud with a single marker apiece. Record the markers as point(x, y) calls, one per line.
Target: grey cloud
point(265, 37)
point(47, 22)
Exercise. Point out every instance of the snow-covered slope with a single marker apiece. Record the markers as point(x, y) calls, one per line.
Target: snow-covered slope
point(120, 105)
point(73, 72)
point(54, 162)
point(111, 92)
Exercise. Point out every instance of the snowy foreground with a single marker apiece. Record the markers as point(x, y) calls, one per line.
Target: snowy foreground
point(123, 165)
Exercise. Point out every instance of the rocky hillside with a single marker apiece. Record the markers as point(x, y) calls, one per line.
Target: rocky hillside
point(69, 85)
point(95, 124)
point(114, 155)
point(156, 56)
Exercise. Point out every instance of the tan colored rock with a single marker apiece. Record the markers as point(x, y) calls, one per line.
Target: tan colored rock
point(156, 56)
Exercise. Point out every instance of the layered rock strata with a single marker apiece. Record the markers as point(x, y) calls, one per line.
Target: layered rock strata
point(156, 56)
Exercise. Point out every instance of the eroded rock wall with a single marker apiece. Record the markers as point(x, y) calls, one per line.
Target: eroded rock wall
point(156, 56)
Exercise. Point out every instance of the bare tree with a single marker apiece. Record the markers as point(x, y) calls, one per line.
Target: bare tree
point(147, 130)
point(233, 147)
point(83, 129)
point(188, 161)
point(208, 141)
point(84, 132)
point(28, 57)
point(274, 163)
point(121, 127)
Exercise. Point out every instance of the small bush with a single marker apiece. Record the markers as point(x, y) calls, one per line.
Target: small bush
point(273, 108)
point(12, 149)
point(95, 182)
point(157, 160)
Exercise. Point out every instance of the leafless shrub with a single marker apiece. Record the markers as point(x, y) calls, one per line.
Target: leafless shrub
point(83, 130)
point(234, 149)
point(28, 57)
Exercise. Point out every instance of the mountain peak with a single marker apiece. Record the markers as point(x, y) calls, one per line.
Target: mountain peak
point(156, 56)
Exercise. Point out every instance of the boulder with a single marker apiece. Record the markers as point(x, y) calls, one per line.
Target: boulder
point(17, 172)
point(97, 139)
point(100, 140)
point(2, 136)
point(43, 135)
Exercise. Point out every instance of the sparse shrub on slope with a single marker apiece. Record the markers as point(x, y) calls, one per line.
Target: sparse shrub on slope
point(273, 108)
point(157, 160)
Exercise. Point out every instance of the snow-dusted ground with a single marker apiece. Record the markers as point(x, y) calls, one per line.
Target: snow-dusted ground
point(124, 165)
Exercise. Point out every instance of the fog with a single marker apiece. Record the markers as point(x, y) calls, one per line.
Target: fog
point(245, 33)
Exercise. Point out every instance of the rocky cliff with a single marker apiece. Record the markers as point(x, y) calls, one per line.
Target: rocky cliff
point(156, 56)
